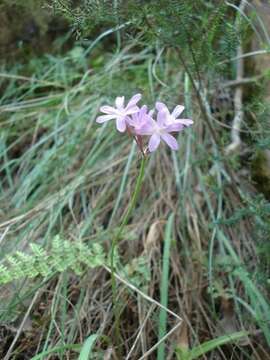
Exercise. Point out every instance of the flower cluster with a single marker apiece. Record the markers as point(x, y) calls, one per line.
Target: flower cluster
point(139, 122)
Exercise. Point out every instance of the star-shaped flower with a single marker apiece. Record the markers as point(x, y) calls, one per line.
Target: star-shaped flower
point(172, 118)
point(139, 122)
point(161, 129)
point(121, 112)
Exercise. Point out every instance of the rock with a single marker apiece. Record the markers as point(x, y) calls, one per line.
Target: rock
point(262, 61)
point(260, 171)
point(27, 23)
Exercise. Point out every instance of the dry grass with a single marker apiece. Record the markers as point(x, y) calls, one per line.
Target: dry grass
point(63, 174)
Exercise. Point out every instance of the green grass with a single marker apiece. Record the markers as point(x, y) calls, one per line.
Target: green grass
point(204, 348)
point(62, 174)
point(164, 286)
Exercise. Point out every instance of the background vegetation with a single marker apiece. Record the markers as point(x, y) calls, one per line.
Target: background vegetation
point(193, 262)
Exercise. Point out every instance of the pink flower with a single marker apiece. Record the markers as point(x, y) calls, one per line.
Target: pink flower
point(172, 118)
point(138, 122)
point(120, 113)
point(139, 119)
point(161, 129)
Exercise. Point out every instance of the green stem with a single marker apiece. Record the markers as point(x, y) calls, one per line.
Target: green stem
point(115, 241)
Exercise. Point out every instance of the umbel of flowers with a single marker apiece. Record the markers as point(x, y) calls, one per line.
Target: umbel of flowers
point(158, 125)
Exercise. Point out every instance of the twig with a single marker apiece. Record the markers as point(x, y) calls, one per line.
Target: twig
point(32, 80)
point(153, 301)
point(8, 354)
point(2, 236)
point(243, 81)
point(238, 98)
point(140, 332)
point(160, 341)
point(145, 296)
point(242, 56)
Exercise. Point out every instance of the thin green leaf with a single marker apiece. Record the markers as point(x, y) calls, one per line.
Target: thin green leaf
point(164, 286)
point(87, 347)
point(75, 347)
point(210, 345)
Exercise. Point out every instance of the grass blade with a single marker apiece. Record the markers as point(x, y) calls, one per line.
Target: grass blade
point(210, 345)
point(164, 286)
point(87, 347)
point(56, 349)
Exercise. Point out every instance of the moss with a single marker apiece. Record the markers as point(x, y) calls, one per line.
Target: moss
point(260, 171)
point(27, 27)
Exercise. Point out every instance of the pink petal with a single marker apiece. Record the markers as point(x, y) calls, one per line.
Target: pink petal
point(119, 102)
point(161, 106)
point(101, 119)
point(170, 141)
point(177, 111)
point(132, 110)
point(147, 127)
point(143, 110)
point(161, 117)
point(121, 124)
point(108, 109)
point(154, 142)
point(133, 101)
point(174, 127)
point(139, 118)
point(186, 122)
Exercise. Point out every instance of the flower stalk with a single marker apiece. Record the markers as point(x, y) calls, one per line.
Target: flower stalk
point(115, 241)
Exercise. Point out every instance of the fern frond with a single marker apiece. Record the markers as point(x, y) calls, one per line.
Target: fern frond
point(62, 256)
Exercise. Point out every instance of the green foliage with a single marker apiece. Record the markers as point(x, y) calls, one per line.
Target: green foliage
point(210, 345)
point(203, 31)
point(85, 349)
point(63, 255)
point(252, 288)
point(86, 352)
point(57, 349)
point(137, 272)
